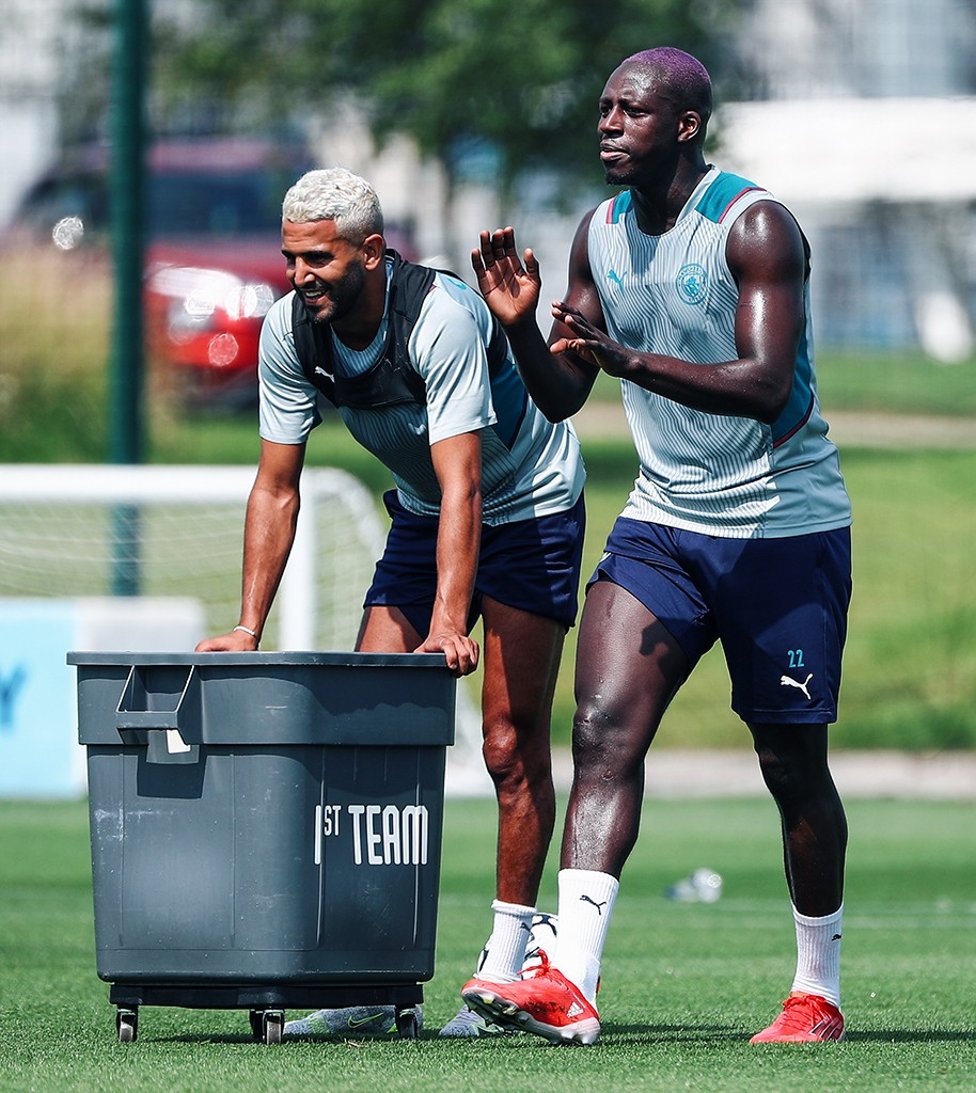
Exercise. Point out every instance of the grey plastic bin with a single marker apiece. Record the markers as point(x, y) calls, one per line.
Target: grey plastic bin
point(265, 827)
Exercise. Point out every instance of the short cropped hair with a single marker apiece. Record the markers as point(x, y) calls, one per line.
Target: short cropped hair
point(335, 194)
point(686, 80)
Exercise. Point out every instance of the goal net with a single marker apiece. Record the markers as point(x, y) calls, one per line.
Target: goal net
point(70, 531)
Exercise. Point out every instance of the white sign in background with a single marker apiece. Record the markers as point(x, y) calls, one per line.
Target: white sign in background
point(39, 751)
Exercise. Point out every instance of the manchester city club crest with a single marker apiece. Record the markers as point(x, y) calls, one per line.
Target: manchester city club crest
point(692, 283)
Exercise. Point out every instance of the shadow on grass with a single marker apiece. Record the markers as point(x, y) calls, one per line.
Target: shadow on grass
point(628, 1035)
point(913, 1036)
point(229, 1038)
point(634, 1034)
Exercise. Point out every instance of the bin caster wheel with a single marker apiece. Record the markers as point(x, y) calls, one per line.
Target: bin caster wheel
point(272, 1026)
point(255, 1017)
point(127, 1024)
point(407, 1025)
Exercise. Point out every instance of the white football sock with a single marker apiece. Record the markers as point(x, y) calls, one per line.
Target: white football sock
point(586, 900)
point(818, 954)
point(504, 952)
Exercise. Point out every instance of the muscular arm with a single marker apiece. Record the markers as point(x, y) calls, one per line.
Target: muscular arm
point(558, 379)
point(269, 531)
point(767, 257)
point(457, 464)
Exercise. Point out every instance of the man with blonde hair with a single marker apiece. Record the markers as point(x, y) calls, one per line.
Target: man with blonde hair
point(486, 518)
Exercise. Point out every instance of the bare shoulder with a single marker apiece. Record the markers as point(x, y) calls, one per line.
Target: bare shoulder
point(766, 235)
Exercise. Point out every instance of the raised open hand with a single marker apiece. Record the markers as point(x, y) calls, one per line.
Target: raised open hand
point(510, 288)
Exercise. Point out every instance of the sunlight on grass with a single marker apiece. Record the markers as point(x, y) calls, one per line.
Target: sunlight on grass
point(684, 985)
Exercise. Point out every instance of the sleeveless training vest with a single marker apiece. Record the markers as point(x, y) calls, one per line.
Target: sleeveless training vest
point(391, 380)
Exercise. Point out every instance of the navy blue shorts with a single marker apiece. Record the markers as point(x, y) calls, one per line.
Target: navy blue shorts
point(532, 565)
point(778, 606)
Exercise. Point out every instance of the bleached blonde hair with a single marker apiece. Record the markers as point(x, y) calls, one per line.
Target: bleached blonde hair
point(334, 193)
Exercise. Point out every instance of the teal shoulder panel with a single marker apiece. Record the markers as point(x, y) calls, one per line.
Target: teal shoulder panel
point(725, 190)
point(618, 206)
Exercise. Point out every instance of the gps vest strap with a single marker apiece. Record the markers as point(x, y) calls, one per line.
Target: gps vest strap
point(391, 379)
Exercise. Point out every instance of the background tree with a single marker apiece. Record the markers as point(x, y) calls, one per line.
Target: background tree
point(516, 82)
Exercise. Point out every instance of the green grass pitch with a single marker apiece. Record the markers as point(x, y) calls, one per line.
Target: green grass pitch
point(684, 985)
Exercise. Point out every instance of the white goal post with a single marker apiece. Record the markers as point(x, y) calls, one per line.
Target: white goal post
point(183, 526)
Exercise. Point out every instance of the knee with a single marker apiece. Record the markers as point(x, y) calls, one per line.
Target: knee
point(602, 736)
point(512, 757)
point(593, 724)
point(791, 774)
point(777, 771)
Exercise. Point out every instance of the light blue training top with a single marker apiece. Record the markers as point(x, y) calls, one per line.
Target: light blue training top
point(674, 294)
point(530, 466)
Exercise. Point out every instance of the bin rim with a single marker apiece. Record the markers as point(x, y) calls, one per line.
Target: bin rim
point(255, 659)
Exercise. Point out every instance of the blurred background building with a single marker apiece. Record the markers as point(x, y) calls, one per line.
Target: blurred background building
point(860, 114)
point(863, 117)
point(30, 129)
